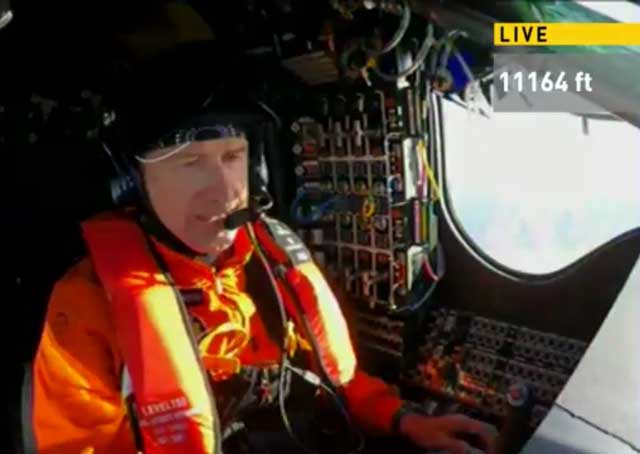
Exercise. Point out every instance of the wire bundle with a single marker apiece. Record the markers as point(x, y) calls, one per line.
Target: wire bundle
point(317, 212)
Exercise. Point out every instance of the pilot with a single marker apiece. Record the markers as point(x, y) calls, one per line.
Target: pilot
point(113, 371)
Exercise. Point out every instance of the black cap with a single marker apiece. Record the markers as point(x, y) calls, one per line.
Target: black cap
point(196, 86)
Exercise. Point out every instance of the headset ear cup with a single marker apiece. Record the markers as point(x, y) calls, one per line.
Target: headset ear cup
point(124, 187)
point(259, 173)
point(123, 190)
point(130, 184)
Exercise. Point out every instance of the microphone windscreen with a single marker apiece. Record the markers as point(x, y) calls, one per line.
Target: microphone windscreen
point(237, 219)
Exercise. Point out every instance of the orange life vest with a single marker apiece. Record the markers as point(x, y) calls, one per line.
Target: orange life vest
point(168, 372)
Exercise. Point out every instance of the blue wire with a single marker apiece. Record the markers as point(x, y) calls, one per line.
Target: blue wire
point(315, 216)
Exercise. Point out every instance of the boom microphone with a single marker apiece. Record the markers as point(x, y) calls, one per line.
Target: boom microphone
point(237, 219)
point(5, 13)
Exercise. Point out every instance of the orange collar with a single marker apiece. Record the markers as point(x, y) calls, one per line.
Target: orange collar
point(189, 272)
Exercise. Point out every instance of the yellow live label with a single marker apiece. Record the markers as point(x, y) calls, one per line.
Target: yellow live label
point(566, 34)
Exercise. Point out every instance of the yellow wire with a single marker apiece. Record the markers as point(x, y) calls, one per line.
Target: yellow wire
point(423, 162)
point(368, 207)
point(432, 178)
point(347, 11)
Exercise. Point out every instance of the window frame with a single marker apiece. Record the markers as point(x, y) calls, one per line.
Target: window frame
point(436, 123)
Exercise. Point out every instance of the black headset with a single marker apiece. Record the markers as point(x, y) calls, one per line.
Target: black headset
point(125, 186)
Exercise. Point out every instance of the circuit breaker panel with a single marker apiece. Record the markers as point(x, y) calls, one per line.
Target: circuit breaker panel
point(365, 201)
point(471, 364)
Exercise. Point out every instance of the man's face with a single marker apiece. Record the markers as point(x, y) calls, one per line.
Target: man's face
point(193, 190)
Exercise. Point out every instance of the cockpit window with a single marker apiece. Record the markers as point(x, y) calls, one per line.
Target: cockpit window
point(621, 11)
point(537, 191)
point(582, 11)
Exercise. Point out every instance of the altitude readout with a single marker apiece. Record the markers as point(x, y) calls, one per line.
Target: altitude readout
point(547, 82)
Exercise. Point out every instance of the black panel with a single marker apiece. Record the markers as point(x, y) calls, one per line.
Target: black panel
point(573, 305)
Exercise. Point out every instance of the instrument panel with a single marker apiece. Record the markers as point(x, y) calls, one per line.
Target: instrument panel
point(364, 203)
point(474, 363)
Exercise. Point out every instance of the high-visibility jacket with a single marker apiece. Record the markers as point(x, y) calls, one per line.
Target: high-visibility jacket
point(75, 403)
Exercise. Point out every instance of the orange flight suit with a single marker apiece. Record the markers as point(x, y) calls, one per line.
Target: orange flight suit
point(76, 401)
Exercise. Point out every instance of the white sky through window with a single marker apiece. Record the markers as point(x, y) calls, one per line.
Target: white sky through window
point(619, 11)
point(536, 193)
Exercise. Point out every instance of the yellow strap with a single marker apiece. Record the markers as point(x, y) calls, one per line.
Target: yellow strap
point(291, 343)
point(225, 328)
point(303, 344)
point(295, 341)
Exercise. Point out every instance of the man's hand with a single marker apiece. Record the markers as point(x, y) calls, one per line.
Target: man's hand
point(448, 433)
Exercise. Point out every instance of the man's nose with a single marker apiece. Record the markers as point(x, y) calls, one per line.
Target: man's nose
point(225, 184)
